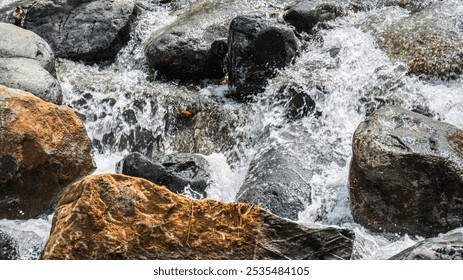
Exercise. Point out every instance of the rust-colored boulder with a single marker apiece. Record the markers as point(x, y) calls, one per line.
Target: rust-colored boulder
point(43, 148)
point(111, 216)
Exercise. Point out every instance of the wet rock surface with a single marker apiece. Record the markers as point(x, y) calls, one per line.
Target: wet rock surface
point(28, 63)
point(8, 247)
point(275, 182)
point(405, 174)
point(83, 30)
point(132, 218)
point(180, 173)
point(256, 48)
point(43, 147)
point(446, 247)
point(423, 40)
point(305, 15)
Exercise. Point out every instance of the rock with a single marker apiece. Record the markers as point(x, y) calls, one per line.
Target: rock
point(296, 101)
point(20, 43)
point(88, 30)
point(179, 51)
point(132, 218)
point(305, 15)
point(405, 173)
point(43, 148)
point(257, 47)
point(8, 247)
point(28, 63)
point(27, 74)
point(422, 40)
point(445, 247)
point(275, 182)
point(180, 173)
point(186, 49)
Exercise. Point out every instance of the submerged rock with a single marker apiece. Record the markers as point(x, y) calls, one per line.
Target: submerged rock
point(43, 148)
point(180, 173)
point(132, 218)
point(445, 247)
point(89, 30)
point(8, 247)
point(405, 174)
point(305, 15)
point(28, 63)
point(275, 181)
point(257, 47)
point(425, 41)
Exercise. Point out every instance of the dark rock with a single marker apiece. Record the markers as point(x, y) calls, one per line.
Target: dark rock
point(307, 14)
point(405, 174)
point(43, 148)
point(297, 102)
point(89, 30)
point(8, 247)
point(445, 247)
point(179, 51)
point(219, 48)
point(257, 47)
point(28, 63)
point(132, 218)
point(180, 173)
point(275, 182)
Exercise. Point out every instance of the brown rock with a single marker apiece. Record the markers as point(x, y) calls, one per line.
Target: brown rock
point(43, 148)
point(120, 217)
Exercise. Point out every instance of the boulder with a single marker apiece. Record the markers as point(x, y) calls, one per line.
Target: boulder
point(445, 247)
point(110, 216)
point(275, 181)
point(406, 173)
point(187, 49)
point(8, 247)
point(180, 173)
point(423, 40)
point(28, 63)
point(88, 30)
point(305, 15)
point(43, 148)
point(256, 48)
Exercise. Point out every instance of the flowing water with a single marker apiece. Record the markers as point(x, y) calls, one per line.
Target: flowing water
point(127, 109)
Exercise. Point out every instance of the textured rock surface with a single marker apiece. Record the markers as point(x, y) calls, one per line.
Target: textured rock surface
point(305, 15)
point(445, 247)
point(89, 30)
point(256, 48)
point(424, 41)
point(120, 217)
point(177, 171)
point(8, 247)
point(43, 147)
point(406, 173)
point(275, 182)
point(28, 63)
point(183, 50)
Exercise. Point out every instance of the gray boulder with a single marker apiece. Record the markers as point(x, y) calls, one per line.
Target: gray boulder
point(180, 173)
point(307, 14)
point(257, 47)
point(186, 49)
point(8, 247)
point(89, 30)
point(275, 181)
point(406, 173)
point(445, 247)
point(28, 63)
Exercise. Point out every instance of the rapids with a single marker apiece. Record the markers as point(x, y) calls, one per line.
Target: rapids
point(345, 72)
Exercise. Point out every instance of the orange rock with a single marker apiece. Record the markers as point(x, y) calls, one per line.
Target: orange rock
point(43, 148)
point(120, 217)
point(185, 113)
